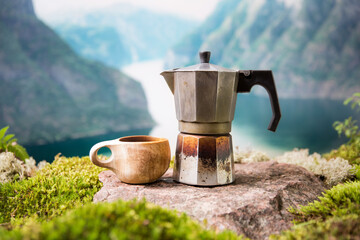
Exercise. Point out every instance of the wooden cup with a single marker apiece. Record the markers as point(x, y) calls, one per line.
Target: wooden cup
point(135, 159)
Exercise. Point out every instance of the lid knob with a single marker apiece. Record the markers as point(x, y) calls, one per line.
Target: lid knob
point(205, 56)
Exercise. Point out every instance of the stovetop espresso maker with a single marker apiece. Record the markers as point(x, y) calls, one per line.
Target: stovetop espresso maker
point(205, 98)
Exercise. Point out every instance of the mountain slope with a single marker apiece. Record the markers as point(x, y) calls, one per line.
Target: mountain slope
point(48, 93)
point(313, 47)
point(137, 33)
point(101, 43)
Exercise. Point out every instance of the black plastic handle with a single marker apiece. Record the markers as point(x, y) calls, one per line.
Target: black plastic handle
point(247, 79)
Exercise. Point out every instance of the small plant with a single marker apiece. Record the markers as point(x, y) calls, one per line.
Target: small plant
point(9, 144)
point(354, 100)
point(349, 127)
point(351, 150)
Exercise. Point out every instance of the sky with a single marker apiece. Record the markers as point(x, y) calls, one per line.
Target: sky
point(52, 10)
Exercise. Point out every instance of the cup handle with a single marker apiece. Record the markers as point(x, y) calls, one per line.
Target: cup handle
point(93, 154)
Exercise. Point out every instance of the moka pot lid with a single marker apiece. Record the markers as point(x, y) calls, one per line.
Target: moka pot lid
point(204, 65)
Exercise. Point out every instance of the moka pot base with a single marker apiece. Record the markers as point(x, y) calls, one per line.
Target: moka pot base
point(204, 160)
point(205, 128)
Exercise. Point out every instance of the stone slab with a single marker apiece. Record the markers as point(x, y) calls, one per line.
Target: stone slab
point(254, 205)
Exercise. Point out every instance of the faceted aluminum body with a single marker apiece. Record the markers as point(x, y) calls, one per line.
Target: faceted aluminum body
point(205, 97)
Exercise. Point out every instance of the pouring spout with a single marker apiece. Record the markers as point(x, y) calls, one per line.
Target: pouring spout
point(169, 78)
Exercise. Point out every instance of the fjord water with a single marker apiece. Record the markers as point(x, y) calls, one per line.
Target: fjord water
point(305, 123)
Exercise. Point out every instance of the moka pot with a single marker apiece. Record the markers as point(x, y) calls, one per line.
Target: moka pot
point(205, 98)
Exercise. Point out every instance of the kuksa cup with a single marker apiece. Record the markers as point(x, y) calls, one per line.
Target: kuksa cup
point(135, 159)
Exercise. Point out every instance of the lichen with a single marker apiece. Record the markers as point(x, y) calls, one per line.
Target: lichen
point(334, 170)
point(249, 156)
point(30, 167)
point(10, 167)
point(42, 164)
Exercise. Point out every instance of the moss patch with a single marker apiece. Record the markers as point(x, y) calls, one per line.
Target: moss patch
point(118, 220)
point(345, 227)
point(349, 151)
point(62, 193)
point(65, 184)
point(341, 200)
point(335, 216)
point(57, 204)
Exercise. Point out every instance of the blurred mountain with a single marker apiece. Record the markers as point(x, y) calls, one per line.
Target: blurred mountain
point(48, 93)
point(313, 46)
point(122, 34)
point(101, 43)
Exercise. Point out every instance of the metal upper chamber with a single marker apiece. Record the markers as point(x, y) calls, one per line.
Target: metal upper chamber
point(205, 95)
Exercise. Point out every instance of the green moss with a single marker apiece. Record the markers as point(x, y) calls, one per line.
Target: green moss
point(345, 227)
point(57, 203)
point(335, 216)
point(349, 151)
point(341, 200)
point(65, 184)
point(118, 220)
point(357, 171)
point(172, 162)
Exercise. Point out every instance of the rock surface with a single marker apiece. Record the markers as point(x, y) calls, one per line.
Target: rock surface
point(254, 205)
